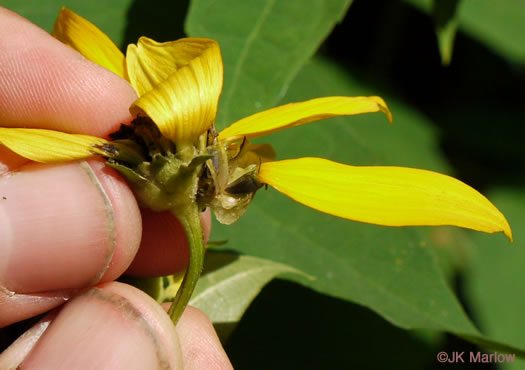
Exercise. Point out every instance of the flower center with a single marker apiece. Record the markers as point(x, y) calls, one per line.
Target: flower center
point(164, 176)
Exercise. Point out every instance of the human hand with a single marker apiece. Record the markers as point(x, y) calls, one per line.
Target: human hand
point(67, 231)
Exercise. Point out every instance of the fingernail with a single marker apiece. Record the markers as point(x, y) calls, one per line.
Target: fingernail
point(13, 356)
point(96, 330)
point(17, 307)
point(57, 228)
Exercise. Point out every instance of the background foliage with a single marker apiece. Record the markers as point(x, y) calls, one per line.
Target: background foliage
point(463, 119)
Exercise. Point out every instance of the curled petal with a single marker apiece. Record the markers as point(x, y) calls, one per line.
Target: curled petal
point(180, 98)
point(83, 36)
point(151, 62)
point(47, 146)
point(390, 196)
point(295, 114)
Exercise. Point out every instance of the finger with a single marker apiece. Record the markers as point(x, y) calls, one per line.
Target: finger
point(201, 348)
point(164, 248)
point(102, 327)
point(62, 228)
point(53, 215)
point(112, 326)
point(46, 84)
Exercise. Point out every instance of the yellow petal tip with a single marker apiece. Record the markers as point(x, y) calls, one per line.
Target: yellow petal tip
point(508, 232)
point(381, 104)
point(84, 37)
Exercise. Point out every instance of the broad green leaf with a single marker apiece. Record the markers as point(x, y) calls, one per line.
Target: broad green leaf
point(498, 24)
point(494, 281)
point(393, 271)
point(264, 43)
point(229, 284)
point(361, 263)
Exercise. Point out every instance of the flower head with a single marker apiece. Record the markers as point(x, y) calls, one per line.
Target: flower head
point(172, 150)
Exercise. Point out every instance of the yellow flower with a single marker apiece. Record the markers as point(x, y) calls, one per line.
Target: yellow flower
point(179, 84)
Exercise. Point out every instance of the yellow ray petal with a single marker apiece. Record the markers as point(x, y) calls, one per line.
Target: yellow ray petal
point(295, 114)
point(151, 62)
point(47, 146)
point(88, 40)
point(390, 196)
point(181, 99)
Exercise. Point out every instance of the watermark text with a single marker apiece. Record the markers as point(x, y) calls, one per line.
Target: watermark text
point(475, 357)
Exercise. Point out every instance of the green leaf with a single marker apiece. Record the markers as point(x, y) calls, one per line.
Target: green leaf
point(498, 24)
point(393, 271)
point(494, 281)
point(230, 283)
point(446, 22)
point(388, 269)
point(264, 43)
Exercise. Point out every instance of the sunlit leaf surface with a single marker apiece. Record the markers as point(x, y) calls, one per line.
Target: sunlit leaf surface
point(264, 44)
point(230, 283)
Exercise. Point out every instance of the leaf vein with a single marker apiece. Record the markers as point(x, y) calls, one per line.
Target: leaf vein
point(244, 54)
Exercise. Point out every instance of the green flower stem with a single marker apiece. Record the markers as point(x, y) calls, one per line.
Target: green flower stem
point(191, 222)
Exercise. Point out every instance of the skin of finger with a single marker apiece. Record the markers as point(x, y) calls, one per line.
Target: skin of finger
point(10, 161)
point(63, 227)
point(46, 84)
point(164, 248)
point(112, 326)
point(201, 347)
point(75, 220)
point(16, 307)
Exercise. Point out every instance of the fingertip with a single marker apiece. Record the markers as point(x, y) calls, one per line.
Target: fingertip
point(110, 326)
point(65, 226)
point(125, 215)
point(46, 84)
point(200, 344)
